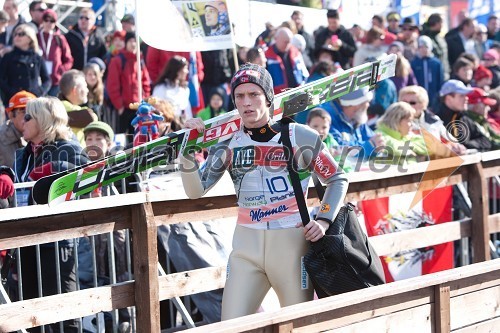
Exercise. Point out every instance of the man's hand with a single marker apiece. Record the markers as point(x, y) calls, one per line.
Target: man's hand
point(195, 123)
point(314, 230)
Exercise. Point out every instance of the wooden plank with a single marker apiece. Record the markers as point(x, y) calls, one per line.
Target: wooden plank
point(490, 155)
point(421, 237)
point(488, 326)
point(472, 308)
point(414, 320)
point(283, 327)
point(52, 309)
point(491, 170)
point(474, 283)
point(442, 308)
point(494, 223)
point(19, 233)
point(204, 215)
point(146, 268)
point(478, 193)
point(192, 282)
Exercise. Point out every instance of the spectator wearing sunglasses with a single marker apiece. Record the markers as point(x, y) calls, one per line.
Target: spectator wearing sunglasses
point(85, 40)
point(23, 68)
point(49, 150)
point(55, 50)
point(36, 9)
point(408, 36)
point(12, 131)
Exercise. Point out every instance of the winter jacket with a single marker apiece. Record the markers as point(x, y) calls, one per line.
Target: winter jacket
point(121, 85)
point(367, 51)
point(276, 68)
point(11, 140)
point(81, 52)
point(59, 54)
point(429, 74)
point(464, 129)
point(348, 44)
point(397, 148)
point(439, 48)
point(156, 60)
point(209, 113)
point(23, 70)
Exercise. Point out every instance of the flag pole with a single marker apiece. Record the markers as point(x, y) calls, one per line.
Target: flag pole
point(235, 53)
point(138, 51)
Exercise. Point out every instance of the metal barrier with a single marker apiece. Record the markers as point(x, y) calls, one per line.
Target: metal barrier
point(143, 213)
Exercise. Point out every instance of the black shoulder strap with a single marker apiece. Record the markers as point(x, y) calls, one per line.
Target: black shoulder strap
point(292, 171)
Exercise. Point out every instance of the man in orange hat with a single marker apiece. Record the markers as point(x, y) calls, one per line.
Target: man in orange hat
point(11, 131)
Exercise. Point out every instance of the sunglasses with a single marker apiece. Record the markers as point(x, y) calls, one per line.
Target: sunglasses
point(86, 18)
point(27, 117)
point(408, 29)
point(39, 9)
point(20, 34)
point(49, 20)
point(412, 103)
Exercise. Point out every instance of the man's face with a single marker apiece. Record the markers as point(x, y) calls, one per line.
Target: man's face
point(283, 42)
point(211, 16)
point(9, 7)
point(493, 24)
point(357, 113)
point(251, 103)
point(81, 91)
point(298, 21)
point(470, 30)
point(16, 116)
point(456, 102)
point(333, 24)
point(37, 12)
point(128, 27)
point(86, 20)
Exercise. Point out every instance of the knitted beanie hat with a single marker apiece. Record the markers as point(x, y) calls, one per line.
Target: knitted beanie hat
point(252, 73)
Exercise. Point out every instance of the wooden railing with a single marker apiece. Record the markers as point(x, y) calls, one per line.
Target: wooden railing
point(433, 294)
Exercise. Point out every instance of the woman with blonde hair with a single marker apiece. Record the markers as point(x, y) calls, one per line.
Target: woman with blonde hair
point(95, 84)
point(404, 74)
point(401, 144)
point(24, 68)
point(49, 150)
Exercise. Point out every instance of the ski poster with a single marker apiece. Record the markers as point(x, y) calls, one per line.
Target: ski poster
point(391, 214)
point(185, 25)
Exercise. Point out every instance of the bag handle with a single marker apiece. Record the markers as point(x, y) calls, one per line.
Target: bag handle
point(292, 168)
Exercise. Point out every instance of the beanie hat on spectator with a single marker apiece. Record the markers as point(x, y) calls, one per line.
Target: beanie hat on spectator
point(129, 36)
point(482, 73)
point(19, 100)
point(299, 42)
point(399, 45)
point(252, 73)
point(100, 126)
point(356, 97)
point(478, 95)
point(128, 18)
point(99, 62)
point(50, 13)
point(491, 54)
point(425, 41)
point(217, 91)
point(119, 34)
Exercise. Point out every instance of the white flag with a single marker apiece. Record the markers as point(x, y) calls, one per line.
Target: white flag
point(185, 25)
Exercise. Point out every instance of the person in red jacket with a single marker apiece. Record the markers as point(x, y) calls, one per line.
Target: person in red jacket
point(156, 60)
point(122, 83)
point(55, 50)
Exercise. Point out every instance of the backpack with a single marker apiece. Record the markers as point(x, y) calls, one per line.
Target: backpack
point(124, 61)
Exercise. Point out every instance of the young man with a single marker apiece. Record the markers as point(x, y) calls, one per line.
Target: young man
point(267, 244)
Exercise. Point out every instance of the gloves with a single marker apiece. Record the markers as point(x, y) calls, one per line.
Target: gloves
point(6, 186)
point(41, 171)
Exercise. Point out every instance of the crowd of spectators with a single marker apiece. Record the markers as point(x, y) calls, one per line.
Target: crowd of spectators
point(69, 94)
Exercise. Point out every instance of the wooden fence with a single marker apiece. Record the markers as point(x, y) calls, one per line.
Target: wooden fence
point(434, 303)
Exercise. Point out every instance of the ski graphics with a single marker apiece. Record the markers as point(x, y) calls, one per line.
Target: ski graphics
point(162, 151)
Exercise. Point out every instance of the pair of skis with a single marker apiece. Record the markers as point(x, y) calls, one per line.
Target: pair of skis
point(73, 183)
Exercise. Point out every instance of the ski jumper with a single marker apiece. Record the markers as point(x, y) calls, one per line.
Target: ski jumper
point(267, 247)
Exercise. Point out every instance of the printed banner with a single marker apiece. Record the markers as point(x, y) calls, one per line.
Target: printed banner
point(185, 25)
point(391, 214)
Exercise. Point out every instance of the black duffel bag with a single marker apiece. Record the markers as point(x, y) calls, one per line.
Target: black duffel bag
point(343, 260)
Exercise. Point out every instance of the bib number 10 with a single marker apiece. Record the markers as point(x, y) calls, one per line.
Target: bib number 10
point(277, 184)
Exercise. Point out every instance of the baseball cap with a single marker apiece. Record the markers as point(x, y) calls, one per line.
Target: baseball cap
point(454, 87)
point(100, 127)
point(425, 41)
point(356, 97)
point(19, 100)
point(252, 73)
point(50, 13)
point(482, 72)
point(478, 95)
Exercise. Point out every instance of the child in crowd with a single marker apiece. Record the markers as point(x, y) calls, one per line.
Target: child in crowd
point(320, 120)
point(215, 107)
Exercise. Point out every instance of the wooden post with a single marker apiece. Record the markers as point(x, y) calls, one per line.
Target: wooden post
point(442, 308)
point(286, 327)
point(478, 192)
point(147, 299)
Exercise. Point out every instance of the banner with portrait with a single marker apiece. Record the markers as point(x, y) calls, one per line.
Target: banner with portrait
point(185, 25)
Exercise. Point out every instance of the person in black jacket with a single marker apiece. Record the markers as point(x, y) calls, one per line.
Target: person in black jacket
point(49, 150)
point(308, 54)
point(452, 111)
point(85, 40)
point(432, 28)
point(336, 38)
point(23, 68)
point(463, 41)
